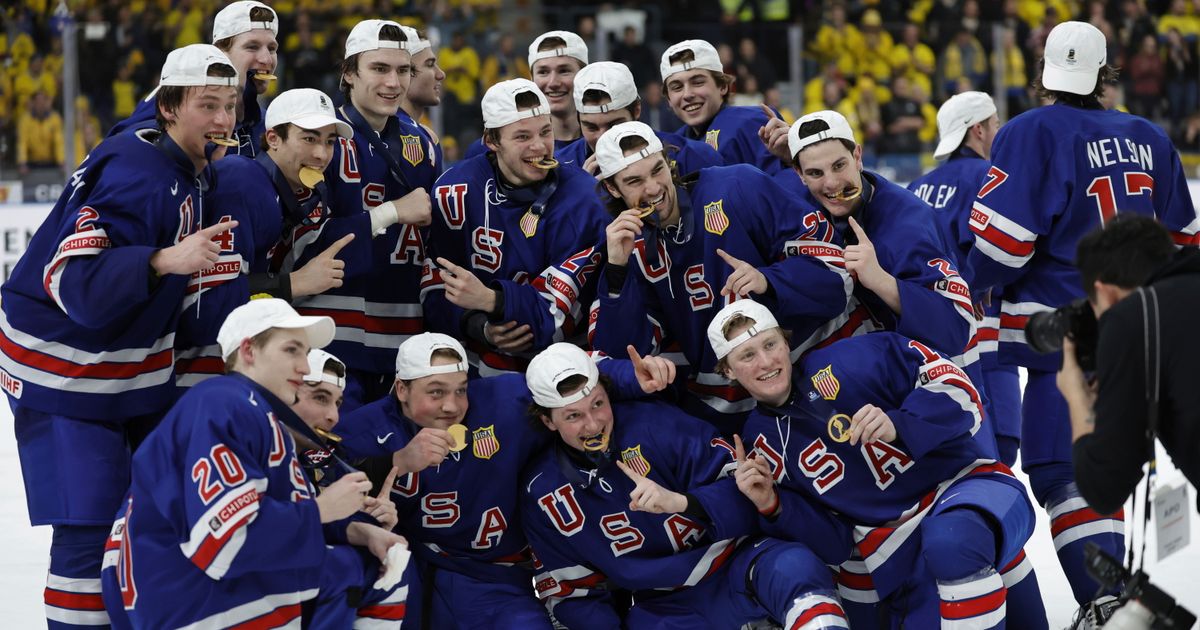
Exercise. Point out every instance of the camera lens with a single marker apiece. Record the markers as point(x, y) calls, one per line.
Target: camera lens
point(1045, 331)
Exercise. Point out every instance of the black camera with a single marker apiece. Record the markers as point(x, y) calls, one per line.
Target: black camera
point(1156, 608)
point(1045, 331)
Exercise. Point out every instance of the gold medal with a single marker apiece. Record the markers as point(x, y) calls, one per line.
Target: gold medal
point(849, 194)
point(264, 76)
point(310, 176)
point(327, 435)
point(839, 428)
point(458, 433)
point(595, 443)
point(221, 140)
point(645, 210)
point(546, 163)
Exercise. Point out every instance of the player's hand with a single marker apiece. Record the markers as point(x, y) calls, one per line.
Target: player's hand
point(745, 278)
point(323, 272)
point(653, 374)
point(861, 260)
point(753, 477)
point(464, 289)
point(648, 496)
point(982, 304)
point(871, 424)
point(620, 236)
point(343, 497)
point(375, 539)
point(774, 135)
point(380, 507)
point(414, 208)
point(429, 447)
point(196, 252)
point(509, 336)
point(592, 166)
point(1072, 382)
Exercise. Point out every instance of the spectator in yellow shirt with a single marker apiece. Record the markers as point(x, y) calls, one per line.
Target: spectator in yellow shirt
point(964, 58)
point(125, 92)
point(186, 23)
point(39, 135)
point(913, 59)
point(505, 63)
point(1015, 79)
point(874, 58)
point(460, 62)
point(838, 41)
point(1179, 19)
point(87, 131)
point(34, 78)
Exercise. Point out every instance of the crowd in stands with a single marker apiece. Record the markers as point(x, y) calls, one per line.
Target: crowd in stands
point(885, 65)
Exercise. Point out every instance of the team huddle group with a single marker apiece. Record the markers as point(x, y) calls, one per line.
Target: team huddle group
point(594, 375)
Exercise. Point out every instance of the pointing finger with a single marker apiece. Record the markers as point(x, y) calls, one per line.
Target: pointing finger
point(739, 449)
point(638, 365)
point(768, 111)
point(219, 228)
point(858, 231)
point(388, 482)
point(629, 472)
point(449, 266)
point(337, 246)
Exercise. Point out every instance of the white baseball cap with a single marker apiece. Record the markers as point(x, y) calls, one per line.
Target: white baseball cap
point(257, 316)
point(610, 77)
point(306, 108)
point(235, 20)
point(317, 360)
point(611, 158)
point(956, 116)
point(188, 66)
point(415, 43)
point(706, 58)
point(499, 103)
point(364, 37)
point(552, 366)
point(1075, 53)
point(838, 128)
point(764, 320)
point(574, 47)
point(414, 359)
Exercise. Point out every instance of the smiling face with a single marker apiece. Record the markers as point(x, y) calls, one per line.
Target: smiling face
point(588, 421)
point(521, 145)
point(302, 147)
point(830, 171)
point(647, 182)
point(555, 77)
point(438, 401)
point(317, 405)
point(277, 364)
point(254, 50)
point(208, 111)
point(762, 364)
point(593, 126)
point(425, 88)
point(381, 81)
point(695, 97)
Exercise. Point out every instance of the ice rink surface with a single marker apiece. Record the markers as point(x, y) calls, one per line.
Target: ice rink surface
point(24, 550)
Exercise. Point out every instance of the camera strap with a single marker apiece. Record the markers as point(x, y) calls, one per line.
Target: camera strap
point(1151, 354)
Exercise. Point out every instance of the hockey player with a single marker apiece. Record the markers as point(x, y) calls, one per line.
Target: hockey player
point(246, 32)
point(697, 89)
point(220, 526)
point(729, 233)
point(939, 524)
point(967, 123)
point(277, 213)
point(606, 96)
point(635, 495)
point(424, 91)
point(1057, 173)
point(514, 238)
point(458, 447)
point(373, 188)
point(89, 316)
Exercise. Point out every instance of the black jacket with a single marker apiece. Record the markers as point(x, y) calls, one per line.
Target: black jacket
point(1108, 462)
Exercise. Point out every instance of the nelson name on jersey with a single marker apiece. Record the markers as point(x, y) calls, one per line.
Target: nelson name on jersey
point(1110, 151)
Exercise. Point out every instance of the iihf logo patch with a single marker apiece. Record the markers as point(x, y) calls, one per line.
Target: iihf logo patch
point(1071, 56)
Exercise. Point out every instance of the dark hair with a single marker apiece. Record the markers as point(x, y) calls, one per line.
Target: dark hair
point(723, 81)
point(524, 100)
point(571, 383)
point(814, 127)
point(257, 14)
point(1105, 76)
point(387, 33)
point(615, 205)
point(170, 97)
point(1124, 252)
point(281, 130)
point(600, 97)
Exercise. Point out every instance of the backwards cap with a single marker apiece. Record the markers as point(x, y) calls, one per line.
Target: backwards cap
point(574, 47)
point(235, 20)
point(706, 58)
point(614, 79)
point(956, 116)
point(499, 103)
point(364, 37)
point(554, 365)
point(414, 359)
point(317, 360)
point(838, 128)
point(764, 320)
point(188, 66)
point(612, 159)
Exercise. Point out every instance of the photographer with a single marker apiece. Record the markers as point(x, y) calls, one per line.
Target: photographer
point(1109, 418)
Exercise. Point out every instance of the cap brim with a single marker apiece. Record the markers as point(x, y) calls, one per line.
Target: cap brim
point(1074, 82)
point(320, 329)
point(316, 121)
point(948, 143)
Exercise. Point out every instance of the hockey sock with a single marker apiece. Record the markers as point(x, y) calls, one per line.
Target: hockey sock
point(1024, 602)
point(1073, 524)
point(959, 547)
point(72, 594)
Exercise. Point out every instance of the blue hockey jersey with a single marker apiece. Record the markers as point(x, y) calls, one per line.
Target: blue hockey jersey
point(689, 155)
point(1057, 173)
point(544, 263)
point(378, 305)
point(583, 533)
point(733, 132)
point(883, 488)
point(86, 328)
point(672, 288)
point(219, 515)
point(430, 163)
